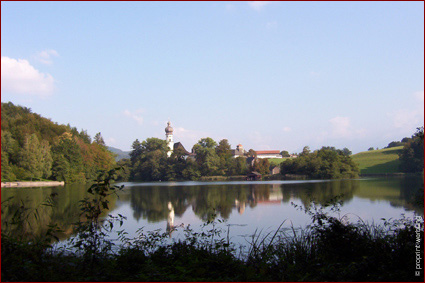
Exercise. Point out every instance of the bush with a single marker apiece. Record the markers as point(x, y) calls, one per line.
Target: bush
point(325, 163)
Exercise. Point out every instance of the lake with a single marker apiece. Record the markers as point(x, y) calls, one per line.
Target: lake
point(244, 207)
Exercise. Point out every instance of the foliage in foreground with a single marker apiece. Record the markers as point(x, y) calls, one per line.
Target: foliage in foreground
point(330, 249)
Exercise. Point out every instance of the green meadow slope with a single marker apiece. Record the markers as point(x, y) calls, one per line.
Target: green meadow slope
point(276, 161)
point(380, 161)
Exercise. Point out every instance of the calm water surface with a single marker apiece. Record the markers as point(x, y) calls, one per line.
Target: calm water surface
point(246, 206)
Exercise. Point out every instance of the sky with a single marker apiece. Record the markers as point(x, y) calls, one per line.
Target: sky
point(267, 75)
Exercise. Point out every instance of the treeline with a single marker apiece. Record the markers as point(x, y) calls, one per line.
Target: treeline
point(149, 162)
point(404, 141)
point(34, 148)
point(412, 155)
point(325, 163)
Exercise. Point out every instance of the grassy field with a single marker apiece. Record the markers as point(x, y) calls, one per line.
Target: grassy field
point(378, 161)
point(277, 161)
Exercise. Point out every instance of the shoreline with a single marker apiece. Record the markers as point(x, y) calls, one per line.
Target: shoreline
point(26, 184)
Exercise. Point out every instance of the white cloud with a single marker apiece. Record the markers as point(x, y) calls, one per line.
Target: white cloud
point(405, 118)
point(409, 118)
point(419, 95)
point(18, 76)
point(340, 127)
point(287, 129)
point(46, 56)
point(135, 116)
point(258, 5)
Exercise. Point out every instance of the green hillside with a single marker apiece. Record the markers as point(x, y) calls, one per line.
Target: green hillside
point(378, 161)
point(277, 161)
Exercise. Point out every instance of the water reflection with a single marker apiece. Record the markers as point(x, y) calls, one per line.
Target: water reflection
point(166, 202)
point(208, 201)
point(29, 205)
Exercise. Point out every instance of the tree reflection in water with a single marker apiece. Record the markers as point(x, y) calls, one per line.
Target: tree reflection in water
point(210, 200)
point(166, 202)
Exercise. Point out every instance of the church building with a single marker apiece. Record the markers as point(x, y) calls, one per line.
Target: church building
point(169, 138)
point(173, 146)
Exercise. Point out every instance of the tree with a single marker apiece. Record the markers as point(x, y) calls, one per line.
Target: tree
point(99, 139)
point(262, 166)
point(136, 152)
point(207, 143)
point(346, 151)
point(152, 166)
point(176, 164)
point(46, 161)
point(35, 158)
point(191, 172)
point(67, 159)
point(73, 152)
point(152, 144)
point(370, 149)
point(9, 149)
point(225, 155)
point(223, 149)
point(9, 146)
point(306, 151)
point(149, 160)
point(412, 155)
point(285, 153)
point(251, 153)
point(325, 163)
point(394, 144)
point(61, 168)
point(85, 137)
point(206, 157)
point(6, 169)
point(124, 174)
point(241, 166)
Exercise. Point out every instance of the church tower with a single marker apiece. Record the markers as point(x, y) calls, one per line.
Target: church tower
point(169, 138)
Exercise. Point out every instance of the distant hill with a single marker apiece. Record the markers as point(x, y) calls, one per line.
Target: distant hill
point(120, 154)
point(380, 161)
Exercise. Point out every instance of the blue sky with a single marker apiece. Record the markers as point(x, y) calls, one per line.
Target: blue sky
point(267, 75)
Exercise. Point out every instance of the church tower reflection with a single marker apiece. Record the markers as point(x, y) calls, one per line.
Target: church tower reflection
point(170, 219)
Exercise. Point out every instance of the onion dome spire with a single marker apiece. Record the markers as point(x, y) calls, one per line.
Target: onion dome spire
point(169, 129)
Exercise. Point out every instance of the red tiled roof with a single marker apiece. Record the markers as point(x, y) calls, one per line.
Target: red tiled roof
point(268, 152)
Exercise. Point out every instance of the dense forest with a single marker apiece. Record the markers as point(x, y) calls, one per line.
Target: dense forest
point(35, 148)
